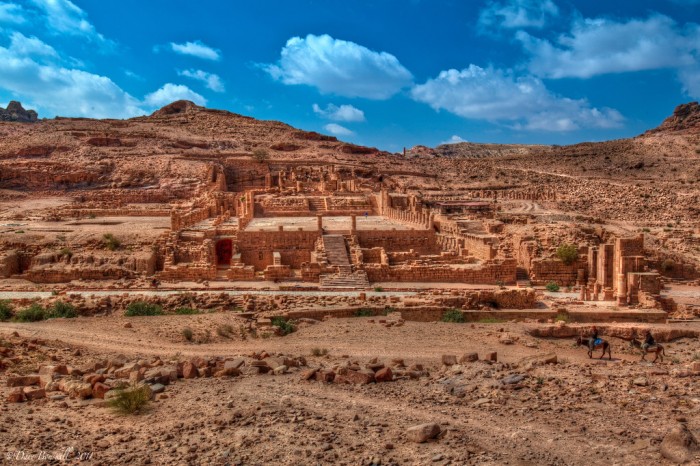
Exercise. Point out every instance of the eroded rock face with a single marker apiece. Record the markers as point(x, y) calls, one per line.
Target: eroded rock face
point(15, 112)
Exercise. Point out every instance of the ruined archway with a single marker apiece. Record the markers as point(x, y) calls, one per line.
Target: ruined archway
point(224, 252)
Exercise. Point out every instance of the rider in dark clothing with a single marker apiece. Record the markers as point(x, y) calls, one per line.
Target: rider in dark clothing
point(594, 337)
point(648, 340)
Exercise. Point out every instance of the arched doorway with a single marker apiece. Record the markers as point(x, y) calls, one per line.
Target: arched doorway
point(224, 251)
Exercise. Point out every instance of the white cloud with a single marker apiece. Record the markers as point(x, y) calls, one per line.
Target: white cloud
point(602, 46)
point(57, 90)
point(170, 93)
point(512, 14)
point(338, 130)
point(339, 67)
point(23, 45)
point(342, 113)
point(690, 79)
point(11, 13)
point(211, 80)
point(498, 96)
point(64, 17)
point(196, 49)
point(454, 140)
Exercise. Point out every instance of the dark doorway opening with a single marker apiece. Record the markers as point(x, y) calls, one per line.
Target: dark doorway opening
point(224, 251)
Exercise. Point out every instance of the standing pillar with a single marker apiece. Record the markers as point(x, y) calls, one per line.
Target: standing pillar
point(353, 224)
point(319, 223)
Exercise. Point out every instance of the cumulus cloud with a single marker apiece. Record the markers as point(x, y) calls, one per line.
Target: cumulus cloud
point(338, 130)
point(196, 49)
point(343, 113)
point(515, 14)
point(211, 81)
point(57, 90)
point(11, 13)
point(601, 46)
point(690, 79)
point(64, 17)
point(170, 93)
point(454, 140)
point(339, 67)
point(522, 102)
point(23, 45)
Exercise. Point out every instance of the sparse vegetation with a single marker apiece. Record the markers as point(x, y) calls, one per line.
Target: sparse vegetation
point(33, 313)
point(284, 325)
point(260, 155)
point(567, 253)
point(224, 331)
point(561, 317)
point(5, 311)
point(364, 312)
point(133, 399)
point(142, 308)
point(61, 309)
point(378, 289)
point(65, 252)
point(111, 242)
point(187, 333)
point(552, 286)
point(319, 351)
point(186, 311)
point(453, 315)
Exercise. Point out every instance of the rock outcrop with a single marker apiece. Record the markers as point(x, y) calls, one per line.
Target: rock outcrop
point(15, 112)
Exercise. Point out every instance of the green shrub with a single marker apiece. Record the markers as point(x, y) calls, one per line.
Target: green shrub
point(285, 326)
point(378, 289)
point(141, 308)
point(65, 252)
point(567, 253)
point(552, 286)
point(364, 312)
point(131, 400)
point(33, 313)
point(186, 311)
point(187, 333)
point(61, 309)
point(319, 351)
point(561, 318)
point(5, 311)
point(453, 315)
point(111, 242)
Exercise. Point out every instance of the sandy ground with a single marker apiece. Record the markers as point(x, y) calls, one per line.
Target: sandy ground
point(578, 411)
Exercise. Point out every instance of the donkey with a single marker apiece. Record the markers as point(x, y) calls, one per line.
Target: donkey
point(603, 344)
point(657, 349)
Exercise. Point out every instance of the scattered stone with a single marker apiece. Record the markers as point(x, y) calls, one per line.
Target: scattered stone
point(423, 432)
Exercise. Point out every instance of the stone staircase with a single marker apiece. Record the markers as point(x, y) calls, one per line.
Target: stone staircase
point(355, 280)
point(522, 278)
point(337, 252)
point(317, 204)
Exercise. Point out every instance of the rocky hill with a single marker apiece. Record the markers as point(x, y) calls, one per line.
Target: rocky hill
point(685, 118)
point(15, 112)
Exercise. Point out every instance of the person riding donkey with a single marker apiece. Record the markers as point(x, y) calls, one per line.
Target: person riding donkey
point(648, 341)
point(594, 340)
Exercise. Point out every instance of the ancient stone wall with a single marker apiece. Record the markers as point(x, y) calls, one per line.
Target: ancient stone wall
point(487, 274)
point(421, 241)
point(257, 247)
point(9, 264)
point(543, 271)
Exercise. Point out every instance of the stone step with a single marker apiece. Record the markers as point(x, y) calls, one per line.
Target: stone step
point(357, 279)
point(335, 249)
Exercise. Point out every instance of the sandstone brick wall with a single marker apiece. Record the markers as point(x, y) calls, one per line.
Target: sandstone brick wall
point(256, 247)
point(421, 241)
point(543, 271)
point(492, 273)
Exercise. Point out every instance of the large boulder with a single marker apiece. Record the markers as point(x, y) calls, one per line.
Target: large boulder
point(680, 445)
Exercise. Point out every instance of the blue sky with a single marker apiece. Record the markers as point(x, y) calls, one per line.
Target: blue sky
point(385, 73)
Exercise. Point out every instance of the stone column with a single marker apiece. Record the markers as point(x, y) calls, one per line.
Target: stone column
point(353, 224)
point(319, 223)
